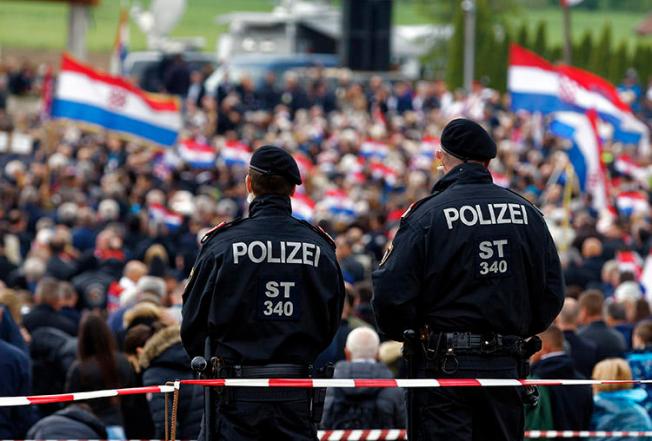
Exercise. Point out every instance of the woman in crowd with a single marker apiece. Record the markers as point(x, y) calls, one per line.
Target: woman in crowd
point(99, 366)
point(617, 406)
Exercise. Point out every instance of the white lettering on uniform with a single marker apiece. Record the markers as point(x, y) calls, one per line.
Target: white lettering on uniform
point(488, 214)
point(466, 209)
point(485, 250)
point(302, 253)
point(296, 246)
point(263, 251)
point(239, 249)
point(452, 215)
point(272, 289)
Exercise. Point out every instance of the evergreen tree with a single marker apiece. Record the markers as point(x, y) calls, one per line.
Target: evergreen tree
point(485, 47)
point(522, 38)
point(619, 63)
point(455, 66)
point(582, 52)
point(601, 54)
point(555, 54)
point(540, 45)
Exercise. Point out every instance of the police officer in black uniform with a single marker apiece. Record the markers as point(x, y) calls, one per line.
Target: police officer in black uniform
point(473, 272)
point(268, 293)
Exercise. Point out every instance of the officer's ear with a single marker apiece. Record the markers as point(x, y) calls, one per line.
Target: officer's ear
point(248, 184)
point(294, 188)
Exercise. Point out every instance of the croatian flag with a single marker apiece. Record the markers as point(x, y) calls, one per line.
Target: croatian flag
point(120, 49)
point(535, 85)
point(304, 163)
point(584, 153)
point(371, 149)
point(338, 204)
point(500, 179)
point(384, 172)
point(93, 97)
point(303, 207)
point(161, 214)
point(426, 155)
point(235, 153)
point(630, 261)
point(625, 165)
point(631, 202)
point(197, 155)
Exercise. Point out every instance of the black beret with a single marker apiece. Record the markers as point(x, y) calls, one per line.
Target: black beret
point(272, 160)
point(466, 139)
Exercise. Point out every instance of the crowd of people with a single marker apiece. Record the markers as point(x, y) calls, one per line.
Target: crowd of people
point(98, 234)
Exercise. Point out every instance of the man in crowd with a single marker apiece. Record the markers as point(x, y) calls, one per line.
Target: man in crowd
point(609, 343)
point(583, 352)
point(569, 408)
point(354, 408)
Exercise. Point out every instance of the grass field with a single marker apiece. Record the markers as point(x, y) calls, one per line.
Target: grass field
point(42, 25)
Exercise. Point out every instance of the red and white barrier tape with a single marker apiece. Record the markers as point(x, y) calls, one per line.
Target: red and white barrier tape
point(362, 434)
point(400, 434)
point(389, 382)
point(585, 434)
point(77, 396)
point(305, 383)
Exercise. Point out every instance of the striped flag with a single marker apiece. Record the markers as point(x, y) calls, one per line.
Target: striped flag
point(625, 165)
point(631, 202)
point(371, 149)
point(303, 207)
point(197, 155)
point(630, 261)
point(120, 46)
point(235, 153)
point(161, 214)
point(86, 95)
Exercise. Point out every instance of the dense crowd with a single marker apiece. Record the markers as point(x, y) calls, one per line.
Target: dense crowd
point(98, 234)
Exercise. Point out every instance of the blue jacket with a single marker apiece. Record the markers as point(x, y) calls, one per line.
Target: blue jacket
point(14, 381)
point(641, 364)
point(620, 410)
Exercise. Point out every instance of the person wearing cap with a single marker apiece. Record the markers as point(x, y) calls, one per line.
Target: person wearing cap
point(268, 293)
point(471, 274)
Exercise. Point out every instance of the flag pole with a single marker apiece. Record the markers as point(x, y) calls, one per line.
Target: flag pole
point(568, 40)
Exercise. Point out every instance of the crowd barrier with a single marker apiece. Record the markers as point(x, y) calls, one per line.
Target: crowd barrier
point(401, 435)
point(304, 383)
point(346, 435)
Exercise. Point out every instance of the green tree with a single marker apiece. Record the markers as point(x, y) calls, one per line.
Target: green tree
point(619, 63)
point(491, 47)
point(600, 56)
point(582, 51)
point(555, 54)
point(540, 45)
point(455, 66)
point(522, 37)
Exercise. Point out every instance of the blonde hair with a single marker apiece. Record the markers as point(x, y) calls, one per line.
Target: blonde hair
point(611, 369)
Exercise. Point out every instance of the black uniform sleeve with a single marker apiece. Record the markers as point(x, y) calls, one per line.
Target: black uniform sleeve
point(549, 306)
point(196, 301)
point(397, 283)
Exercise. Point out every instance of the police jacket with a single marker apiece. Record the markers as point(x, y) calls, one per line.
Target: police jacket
point(471, 257)
point(267, 289)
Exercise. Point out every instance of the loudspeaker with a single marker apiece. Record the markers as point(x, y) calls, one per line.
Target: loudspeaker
point(366, 34)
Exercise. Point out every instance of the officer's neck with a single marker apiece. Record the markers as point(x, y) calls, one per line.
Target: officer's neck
point(270, 203)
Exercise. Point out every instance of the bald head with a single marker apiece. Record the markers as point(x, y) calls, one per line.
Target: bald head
point(592, 247)
point(569, 315)
point(362, 343)
point(552, 340)
point(134, 270)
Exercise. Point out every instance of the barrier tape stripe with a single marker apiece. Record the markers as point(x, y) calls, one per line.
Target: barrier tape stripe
point(390, 382)
point(396, 434)
point(400, 434)
point(77, 396)
point(305, 383)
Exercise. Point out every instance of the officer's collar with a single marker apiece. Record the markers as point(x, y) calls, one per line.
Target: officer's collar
point(270, 202)
point(467, 173)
